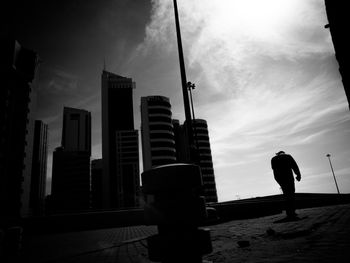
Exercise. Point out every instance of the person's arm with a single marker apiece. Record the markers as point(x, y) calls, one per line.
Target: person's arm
point(273, 165)
point(295, 168)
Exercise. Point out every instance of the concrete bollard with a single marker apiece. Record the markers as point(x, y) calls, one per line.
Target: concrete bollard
point(10, 243)
point(173, 203)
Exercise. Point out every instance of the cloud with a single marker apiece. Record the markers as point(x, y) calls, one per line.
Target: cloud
point(266, 78)
point(230, 39)
point(62, 82)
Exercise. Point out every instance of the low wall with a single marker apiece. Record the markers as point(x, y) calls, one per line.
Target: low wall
point(226, 211)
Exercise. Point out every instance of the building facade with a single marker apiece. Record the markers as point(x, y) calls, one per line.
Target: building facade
point(158, 141)
point(70, 189)
point(76, 130)
point(96, 184)
point(203, 156)
point(181, 142)
point(128, 168)
point(117, 117)
point(201, 138)
point(17, 66)
point(39, 168)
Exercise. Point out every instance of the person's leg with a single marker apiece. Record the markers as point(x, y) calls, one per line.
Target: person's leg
point(289, 196)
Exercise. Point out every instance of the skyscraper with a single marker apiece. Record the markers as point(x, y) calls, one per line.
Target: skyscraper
point(17, 66)
point(158, 141)
point(117, 120)
point(39, 164)
point(71, 163)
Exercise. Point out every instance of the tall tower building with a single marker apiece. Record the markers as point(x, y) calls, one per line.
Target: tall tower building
point(117, 121)
point(17, 66)
point(39, 164)
point(158, 141)
point(71, 163)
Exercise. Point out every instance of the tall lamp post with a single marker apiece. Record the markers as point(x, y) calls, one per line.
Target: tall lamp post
point(330, 163)
point(191, 145)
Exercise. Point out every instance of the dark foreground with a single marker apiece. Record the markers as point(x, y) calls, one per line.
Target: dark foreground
point(321, 236)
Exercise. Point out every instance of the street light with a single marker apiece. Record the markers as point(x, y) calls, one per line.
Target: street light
point(330, 163)
point(191, 86)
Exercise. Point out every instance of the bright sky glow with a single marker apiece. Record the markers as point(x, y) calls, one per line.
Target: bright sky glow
point(265, 73)
point(267, 80)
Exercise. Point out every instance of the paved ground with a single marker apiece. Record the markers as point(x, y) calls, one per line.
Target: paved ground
point(322, 236)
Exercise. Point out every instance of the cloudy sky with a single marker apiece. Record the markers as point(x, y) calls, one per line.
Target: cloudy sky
point(265, 73)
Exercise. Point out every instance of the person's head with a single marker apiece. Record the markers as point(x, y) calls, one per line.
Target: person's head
point(280, 153)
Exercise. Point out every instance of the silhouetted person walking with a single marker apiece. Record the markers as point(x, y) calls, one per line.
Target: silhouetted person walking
point(283, 166)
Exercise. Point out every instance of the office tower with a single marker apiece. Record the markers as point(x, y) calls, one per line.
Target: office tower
point(39, 163)
point(117, 117)
point(158, 141)
point(337, 14)
point(96, 184)
point(76, 130)
point(71, 163)
point(17, 66)
point(202, 143)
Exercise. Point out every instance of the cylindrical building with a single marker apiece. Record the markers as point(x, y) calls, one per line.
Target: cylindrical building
point(201, 137)
point(158, 142)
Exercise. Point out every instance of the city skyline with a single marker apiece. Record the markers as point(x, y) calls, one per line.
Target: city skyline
point(276, 79)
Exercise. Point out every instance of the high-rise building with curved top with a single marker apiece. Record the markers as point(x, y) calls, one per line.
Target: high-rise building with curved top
point(158, 142)
point(201, 137)
point(202, 143)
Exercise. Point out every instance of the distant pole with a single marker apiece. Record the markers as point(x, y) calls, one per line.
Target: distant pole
point(330, 163)
point(183, 79)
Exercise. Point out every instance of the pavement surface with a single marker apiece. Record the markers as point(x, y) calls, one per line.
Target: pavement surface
point(322, 235)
